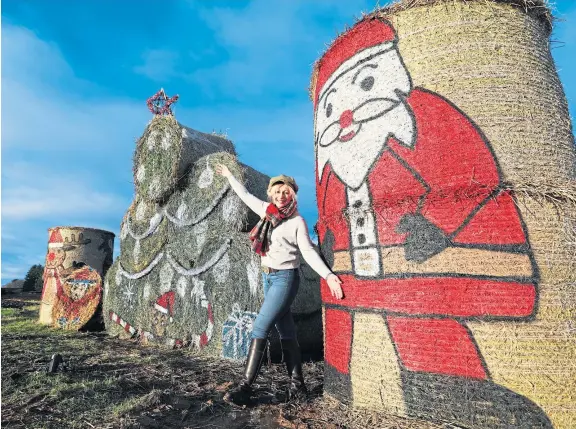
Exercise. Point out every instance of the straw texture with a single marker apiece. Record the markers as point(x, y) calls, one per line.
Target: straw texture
point(471, 319)
point(186, 275)
point(76, 261)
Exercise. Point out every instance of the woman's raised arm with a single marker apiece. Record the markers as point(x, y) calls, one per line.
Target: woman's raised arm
point(256, 205)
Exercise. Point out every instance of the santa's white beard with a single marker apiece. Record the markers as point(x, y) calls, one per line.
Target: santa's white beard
point(351, 161)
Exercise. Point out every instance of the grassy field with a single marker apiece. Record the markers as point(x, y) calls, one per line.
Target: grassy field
point(109, 383)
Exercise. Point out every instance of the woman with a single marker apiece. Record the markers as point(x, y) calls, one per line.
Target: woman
point(277, 238)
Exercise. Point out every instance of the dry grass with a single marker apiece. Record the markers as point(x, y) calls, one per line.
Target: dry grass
point(110, 383)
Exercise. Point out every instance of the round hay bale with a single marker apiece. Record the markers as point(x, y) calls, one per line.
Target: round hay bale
point(70, 249)
point(165, 153)
point(446, 196)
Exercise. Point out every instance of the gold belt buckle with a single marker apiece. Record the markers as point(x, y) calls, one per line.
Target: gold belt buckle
point(265, 270)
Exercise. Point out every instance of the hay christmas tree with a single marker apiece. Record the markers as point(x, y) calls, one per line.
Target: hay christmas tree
point(447, 205)
point(186, 275)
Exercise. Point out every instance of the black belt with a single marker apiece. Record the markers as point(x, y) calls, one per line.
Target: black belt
point(268, 270)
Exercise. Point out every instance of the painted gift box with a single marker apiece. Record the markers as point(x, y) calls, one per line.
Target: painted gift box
point(236, 332)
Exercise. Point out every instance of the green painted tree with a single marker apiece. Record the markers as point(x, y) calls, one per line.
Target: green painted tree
point(33, 279)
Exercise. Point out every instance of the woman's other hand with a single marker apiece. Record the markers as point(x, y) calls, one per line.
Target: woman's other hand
point(222, 170)
point(334, 284)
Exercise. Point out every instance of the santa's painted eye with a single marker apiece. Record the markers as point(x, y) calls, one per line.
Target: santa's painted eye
point(328, 110)
point(367, 83)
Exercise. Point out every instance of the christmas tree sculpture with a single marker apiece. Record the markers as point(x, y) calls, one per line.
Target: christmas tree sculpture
point(186, 275)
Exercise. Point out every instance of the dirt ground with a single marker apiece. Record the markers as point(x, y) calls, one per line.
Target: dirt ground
point(110, 383)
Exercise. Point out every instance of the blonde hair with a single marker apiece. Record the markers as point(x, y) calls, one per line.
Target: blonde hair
point(275, 186)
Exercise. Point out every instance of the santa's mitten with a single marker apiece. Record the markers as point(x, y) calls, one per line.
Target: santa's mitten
point(424, 239)
point(327, 248)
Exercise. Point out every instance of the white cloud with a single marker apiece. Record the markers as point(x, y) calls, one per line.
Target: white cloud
point(35, 193)
point(159, 64)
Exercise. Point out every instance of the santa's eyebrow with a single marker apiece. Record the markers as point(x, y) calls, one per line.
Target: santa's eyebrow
point(326, 96)
point(362, 68)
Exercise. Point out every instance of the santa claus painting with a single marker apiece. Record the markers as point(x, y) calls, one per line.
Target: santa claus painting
point(415, 218)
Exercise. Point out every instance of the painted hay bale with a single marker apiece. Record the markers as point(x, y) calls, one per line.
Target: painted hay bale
point(166, 151)
point(76, 261)
point(187, 276)
point(446, 197)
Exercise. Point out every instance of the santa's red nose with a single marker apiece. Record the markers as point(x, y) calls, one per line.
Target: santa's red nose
point(51, 256)
point(346, 118)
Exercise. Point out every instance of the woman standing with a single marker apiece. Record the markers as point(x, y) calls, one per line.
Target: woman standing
point(277, 238)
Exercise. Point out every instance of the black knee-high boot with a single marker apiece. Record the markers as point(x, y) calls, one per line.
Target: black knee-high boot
point(240, 394)
point(293, 358)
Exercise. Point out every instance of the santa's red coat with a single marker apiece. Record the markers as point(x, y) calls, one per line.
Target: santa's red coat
point(452, 173)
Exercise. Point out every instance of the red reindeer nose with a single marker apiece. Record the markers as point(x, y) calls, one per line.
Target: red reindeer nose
point(346, 118)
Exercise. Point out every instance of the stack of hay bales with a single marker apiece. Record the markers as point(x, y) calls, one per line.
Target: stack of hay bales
point(464, 309)
point(186, 275)
point(76, 262)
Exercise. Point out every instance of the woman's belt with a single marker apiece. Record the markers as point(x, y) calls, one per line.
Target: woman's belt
point(268, 270)
point(452, 260)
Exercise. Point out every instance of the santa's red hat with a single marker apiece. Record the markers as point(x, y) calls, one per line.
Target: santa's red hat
point(165, 304)
point(365, 34)
point(55, 239)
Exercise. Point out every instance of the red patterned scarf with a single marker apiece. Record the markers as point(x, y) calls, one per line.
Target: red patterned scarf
point(261, 233)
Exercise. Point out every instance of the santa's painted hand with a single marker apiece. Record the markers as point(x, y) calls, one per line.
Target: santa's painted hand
point(424, 239)
point(334, 283)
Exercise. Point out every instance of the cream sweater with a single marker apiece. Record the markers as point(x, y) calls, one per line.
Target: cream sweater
point(289, 237)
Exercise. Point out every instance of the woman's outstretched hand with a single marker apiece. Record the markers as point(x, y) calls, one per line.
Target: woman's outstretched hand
point(334, 284)
point(222, 170)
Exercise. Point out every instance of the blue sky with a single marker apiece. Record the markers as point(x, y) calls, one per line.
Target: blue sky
point(76, 76)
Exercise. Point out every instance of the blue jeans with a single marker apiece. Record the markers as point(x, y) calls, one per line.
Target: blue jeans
point(280, 289)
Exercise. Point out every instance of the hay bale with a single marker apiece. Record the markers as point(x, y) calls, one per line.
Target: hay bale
point(166, 151)
point(76, 262)
point(187, 276)
point(457, 249)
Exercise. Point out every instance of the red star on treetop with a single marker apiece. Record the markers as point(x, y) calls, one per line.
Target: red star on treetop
point(159, 103)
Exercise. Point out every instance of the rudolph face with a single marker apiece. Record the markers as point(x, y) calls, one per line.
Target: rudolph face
point(360, 106)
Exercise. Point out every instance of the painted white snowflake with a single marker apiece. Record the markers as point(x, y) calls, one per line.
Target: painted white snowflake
point(128, 293)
